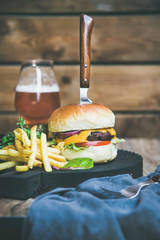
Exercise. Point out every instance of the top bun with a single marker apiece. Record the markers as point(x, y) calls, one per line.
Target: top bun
point(81, 117)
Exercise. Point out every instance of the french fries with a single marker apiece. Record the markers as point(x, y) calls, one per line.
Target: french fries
point(37, 163)
point(60, 146)
point(45, 159)
point(33, 146)
point(56, 163)
point(51, 155)
point(21, 149)
point(15, 153)
point(24, 168)
point(3, 157)
point(17, 134)
point(21, 135)
point(56, 157)
point(28, 153)
point(4, 152)
point(53, 150)
point(9, 147)
point(6, 165)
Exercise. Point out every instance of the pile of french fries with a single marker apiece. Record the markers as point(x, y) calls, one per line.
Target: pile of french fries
point(28, 153)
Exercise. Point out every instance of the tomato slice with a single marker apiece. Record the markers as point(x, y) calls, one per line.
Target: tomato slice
point(92, 143)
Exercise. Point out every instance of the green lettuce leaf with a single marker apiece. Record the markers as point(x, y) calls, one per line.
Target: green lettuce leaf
point(52, 142)
point(7, 139)
point(73, 147)
point(117, 140)
point(79, 163)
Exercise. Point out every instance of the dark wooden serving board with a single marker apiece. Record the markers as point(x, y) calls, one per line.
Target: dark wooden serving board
point(34, 182)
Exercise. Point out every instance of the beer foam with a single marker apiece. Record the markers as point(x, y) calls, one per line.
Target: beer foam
point(36, 88)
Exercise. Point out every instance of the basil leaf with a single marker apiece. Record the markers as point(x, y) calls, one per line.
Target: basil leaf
point(79, 163)
point(75, 148)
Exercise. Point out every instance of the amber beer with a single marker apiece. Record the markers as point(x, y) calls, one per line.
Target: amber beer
point(36, 106)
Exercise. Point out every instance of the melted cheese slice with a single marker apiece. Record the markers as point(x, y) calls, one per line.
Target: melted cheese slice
point(83, 135)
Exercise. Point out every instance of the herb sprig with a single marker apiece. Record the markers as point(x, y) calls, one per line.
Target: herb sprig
point(9, 138)
point(21, 123)
point(40, 128)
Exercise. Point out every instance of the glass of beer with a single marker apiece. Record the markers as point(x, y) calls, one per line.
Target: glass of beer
point(37, 92)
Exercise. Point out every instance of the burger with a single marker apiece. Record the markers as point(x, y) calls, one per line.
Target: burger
point(86, 130)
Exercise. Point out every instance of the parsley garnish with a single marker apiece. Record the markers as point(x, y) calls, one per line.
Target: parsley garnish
point(21, 124)
point(9, 138)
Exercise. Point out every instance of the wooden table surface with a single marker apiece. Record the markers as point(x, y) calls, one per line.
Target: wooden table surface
point(148, 148)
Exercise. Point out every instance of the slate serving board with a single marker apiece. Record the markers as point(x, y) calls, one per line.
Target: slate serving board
point(34, 182)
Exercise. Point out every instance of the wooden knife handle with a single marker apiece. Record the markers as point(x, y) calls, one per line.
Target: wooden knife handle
point(86, 25)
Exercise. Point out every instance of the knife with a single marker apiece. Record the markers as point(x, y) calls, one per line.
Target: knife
point(132, 191)
point(86, 26)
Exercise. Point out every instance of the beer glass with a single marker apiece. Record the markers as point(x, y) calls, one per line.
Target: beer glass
point(37, 92)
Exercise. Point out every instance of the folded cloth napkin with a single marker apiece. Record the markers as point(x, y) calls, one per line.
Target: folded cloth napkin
point(89, 212)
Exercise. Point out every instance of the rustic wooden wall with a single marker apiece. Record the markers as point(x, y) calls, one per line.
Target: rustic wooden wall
point(125, 72)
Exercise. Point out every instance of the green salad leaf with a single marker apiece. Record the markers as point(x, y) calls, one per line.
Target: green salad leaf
point(79, 163)
point(117, 140)
point(74, 147)
point(7, 139)
point(52, 142)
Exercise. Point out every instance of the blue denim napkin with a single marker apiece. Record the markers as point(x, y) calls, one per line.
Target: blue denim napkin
point(88, 212)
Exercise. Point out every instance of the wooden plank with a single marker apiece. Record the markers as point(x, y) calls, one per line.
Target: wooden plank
point(121, 88)
point(67, 6)
point(127, 125)
point(115, 38)
point(8, 122)
point(11, 207)
point(137, 125)
point(8, 82)
point(7, 206)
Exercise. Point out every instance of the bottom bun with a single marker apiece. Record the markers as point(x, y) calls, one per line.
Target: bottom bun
point(98, 154)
